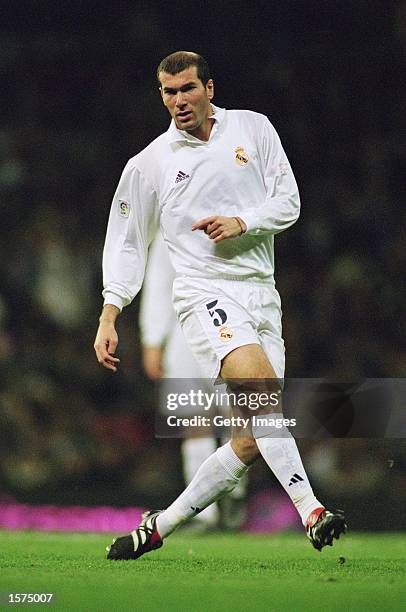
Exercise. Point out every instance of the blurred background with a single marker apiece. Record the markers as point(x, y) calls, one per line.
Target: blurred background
point(78, 98)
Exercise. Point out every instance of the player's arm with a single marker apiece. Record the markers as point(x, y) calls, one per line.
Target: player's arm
point(281, 207)
point(132, 223)
point(157, 315)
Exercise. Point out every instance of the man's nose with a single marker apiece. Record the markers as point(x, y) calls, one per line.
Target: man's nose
point(180, 99)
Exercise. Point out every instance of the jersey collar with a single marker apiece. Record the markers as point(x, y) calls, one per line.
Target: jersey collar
point(175, 135)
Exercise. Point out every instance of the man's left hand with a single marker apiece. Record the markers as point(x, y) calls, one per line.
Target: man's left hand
point(219, 228)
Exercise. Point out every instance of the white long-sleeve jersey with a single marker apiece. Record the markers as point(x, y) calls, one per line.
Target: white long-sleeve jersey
point(242, 170)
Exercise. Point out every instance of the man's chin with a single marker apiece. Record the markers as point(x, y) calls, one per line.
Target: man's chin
point(186, 126)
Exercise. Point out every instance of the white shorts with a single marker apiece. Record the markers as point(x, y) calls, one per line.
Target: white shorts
point(217, 316)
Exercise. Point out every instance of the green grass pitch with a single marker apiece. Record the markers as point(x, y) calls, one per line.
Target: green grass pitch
point(228, 572)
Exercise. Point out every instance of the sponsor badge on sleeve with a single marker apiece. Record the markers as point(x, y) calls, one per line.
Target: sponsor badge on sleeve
point(123, 208)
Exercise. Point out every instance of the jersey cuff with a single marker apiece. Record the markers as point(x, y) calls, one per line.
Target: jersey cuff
point(251, 221)
point(114, 299)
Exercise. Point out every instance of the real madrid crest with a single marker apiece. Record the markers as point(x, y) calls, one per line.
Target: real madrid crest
point(225, 333)
point(241, 157)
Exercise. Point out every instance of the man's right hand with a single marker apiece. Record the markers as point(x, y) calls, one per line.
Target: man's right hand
point(106, 340)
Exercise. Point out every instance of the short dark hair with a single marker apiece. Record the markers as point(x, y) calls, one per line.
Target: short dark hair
point(180, 60)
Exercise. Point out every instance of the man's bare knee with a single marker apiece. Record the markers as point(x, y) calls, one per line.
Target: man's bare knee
point(250, 375)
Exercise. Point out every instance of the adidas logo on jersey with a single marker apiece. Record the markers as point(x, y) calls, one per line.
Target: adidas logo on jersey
point(295, 478)
point(181, 176)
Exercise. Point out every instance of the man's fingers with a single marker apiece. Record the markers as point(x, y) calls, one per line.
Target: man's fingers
point(103, 355)
point(215, 233)
point(110, 366)
point(219, 228)
point(113, 359)
point(105, 358)
point(219, 238)
point(203, 223)
point(109, 362)
point(213, 226)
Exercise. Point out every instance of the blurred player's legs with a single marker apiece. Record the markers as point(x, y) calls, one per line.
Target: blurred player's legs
point(194, 452)
point(179, 363)
point(233, 507)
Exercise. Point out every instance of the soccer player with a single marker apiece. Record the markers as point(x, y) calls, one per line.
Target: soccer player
point(220, 186)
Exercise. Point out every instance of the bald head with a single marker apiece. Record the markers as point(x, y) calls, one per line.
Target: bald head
point(181, 60)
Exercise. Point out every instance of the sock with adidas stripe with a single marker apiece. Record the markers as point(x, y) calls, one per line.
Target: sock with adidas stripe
point(282, 456)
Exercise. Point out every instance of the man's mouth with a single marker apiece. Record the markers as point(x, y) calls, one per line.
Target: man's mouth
point(184, 115)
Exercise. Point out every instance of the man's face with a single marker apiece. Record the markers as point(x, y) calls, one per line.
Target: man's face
point(187, 99)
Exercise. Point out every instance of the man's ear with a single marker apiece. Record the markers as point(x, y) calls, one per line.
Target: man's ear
point(210, 89)
point(162, 94)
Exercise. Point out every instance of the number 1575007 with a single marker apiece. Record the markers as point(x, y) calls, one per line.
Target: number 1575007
point(27, 598)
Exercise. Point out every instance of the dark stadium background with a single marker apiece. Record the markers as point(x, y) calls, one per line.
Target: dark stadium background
point(78, 98)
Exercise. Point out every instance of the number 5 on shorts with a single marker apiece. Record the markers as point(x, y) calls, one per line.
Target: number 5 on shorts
point(216, 311)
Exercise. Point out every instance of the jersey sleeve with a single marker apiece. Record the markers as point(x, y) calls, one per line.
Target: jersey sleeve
point(132, 224)
point(157, 315)
point(282, 204)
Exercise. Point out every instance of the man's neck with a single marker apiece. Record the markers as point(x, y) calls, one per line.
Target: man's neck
point(203, 132)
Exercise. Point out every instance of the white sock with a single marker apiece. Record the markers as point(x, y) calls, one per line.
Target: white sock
point(216, 476)
point(280, 452)
point(194, 452)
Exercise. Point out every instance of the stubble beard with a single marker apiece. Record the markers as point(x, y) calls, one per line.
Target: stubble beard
point(189, 127)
